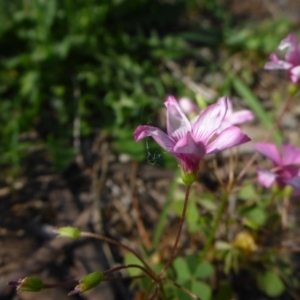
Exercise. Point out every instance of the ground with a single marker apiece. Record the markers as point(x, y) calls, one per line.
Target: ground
point(99, 193)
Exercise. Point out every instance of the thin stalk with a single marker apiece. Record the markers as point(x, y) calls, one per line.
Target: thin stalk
point(155, 294)
point(182, 288)
point(124, 278)
point(215, 226)
point(117, 243)
point(187, 193)
point(119, 268)
point(47, 285)
point(60, 284)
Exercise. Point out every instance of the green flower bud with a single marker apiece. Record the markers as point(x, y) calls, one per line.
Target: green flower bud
point(88, 282)
point(29, 284)
point(293, 89)
point(70, 232)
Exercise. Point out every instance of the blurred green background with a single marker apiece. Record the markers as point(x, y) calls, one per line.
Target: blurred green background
point(71, 68)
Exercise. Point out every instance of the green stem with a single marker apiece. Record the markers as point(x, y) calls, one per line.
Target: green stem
point(215, 226)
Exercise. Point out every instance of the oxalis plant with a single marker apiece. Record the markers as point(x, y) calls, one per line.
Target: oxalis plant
point(191, 134)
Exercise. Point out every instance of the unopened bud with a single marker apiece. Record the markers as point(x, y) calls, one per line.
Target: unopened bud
point(245, 242)
point(88, 282)
point(28, 284)
point(293, 89)
point(70, 232)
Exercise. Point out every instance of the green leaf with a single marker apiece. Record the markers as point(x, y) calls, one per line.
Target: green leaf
point(270, 283)
point(204, 270)
point(177, 206)
point(183, 273)
point(256, 215)
point(192, 260)
point(201, 289)
point(208, 203)
point(181, 295)
point(247, 193)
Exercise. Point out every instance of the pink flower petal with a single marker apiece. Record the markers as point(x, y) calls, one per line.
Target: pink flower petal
point(275, 64)
point(209, 121)
point(187, 145)
point(159, 136)
point(241, 116)
point(270, 151)
point(295, 74)
point(288, 171)
point(290, 155)
point(177, 123)
point(293, 54)
point(265, 177)
point(229, 104)
point(289, 41)
point(230, 137)
point(188, 106)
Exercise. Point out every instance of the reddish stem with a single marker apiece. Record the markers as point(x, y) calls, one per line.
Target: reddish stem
point(187, 193)
point(117, 243)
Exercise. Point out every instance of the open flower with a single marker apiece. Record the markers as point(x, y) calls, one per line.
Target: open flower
point(286, 169)
point(188, 140)
point(234, 118)
point(292, 58)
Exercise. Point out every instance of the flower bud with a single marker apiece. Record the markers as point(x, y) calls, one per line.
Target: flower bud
point(88, 282)
point(245, 242)
point(293, 89)
point(28, 284)
point(70, 232)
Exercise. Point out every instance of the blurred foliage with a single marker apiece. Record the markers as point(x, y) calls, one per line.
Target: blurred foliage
point(99, 64)
point(96, 61)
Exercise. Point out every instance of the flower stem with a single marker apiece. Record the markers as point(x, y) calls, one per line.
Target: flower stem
point(61, 284)
point(187, 193)
point(215, 226)
point(117, 243)
point(181, 287)
point(119, 268)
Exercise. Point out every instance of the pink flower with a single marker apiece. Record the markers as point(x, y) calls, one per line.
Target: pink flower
point(188, 106)
point(234, 118)
point(292, 58)
point(286, 165)
point(188, 140)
